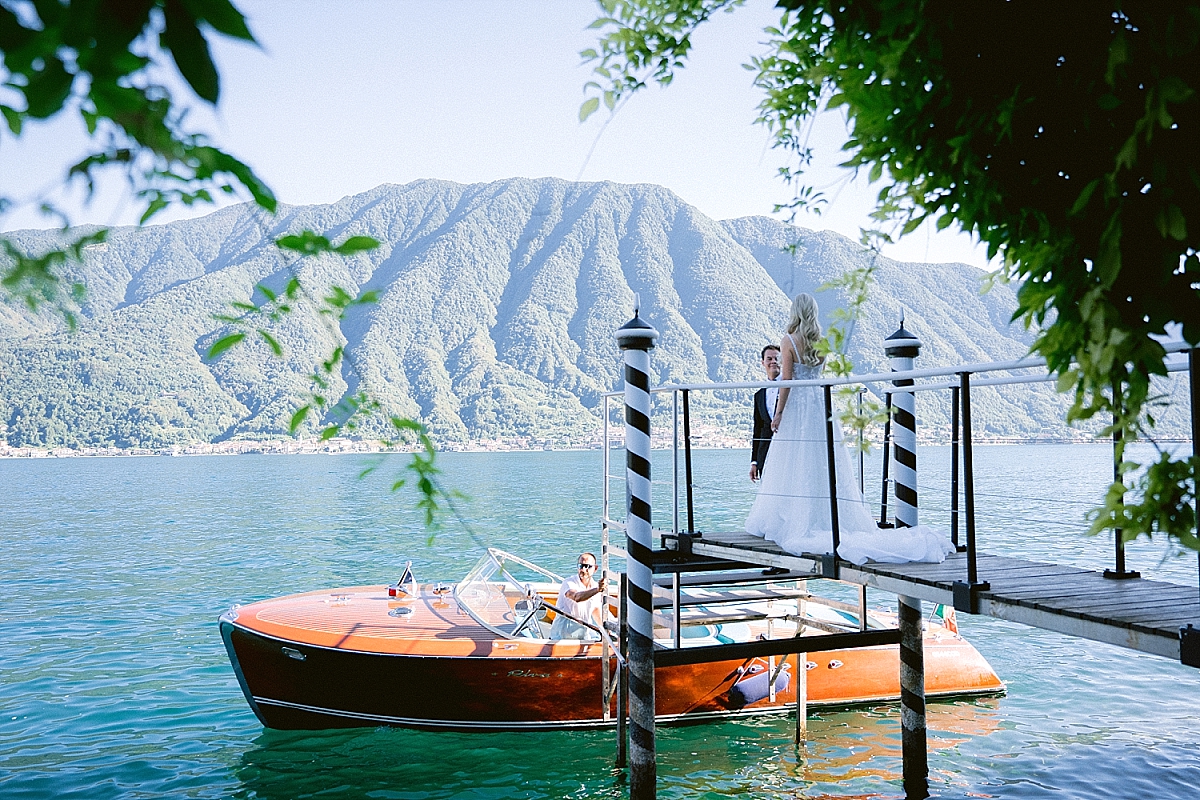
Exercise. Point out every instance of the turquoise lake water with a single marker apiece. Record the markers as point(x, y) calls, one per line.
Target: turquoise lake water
point(114, 682)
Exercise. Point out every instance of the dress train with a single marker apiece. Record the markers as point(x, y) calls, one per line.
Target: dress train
point(792, 505)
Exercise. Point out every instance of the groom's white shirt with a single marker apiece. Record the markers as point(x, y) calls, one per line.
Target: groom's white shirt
point(772, 398)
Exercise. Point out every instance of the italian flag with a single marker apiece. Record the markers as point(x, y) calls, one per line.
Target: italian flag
point(946, 615)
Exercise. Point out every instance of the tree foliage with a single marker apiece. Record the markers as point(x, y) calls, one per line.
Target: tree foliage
point(1062, 135)
point(103, 60)
point(106, 60)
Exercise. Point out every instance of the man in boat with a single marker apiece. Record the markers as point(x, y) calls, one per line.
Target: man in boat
point(582, 597)
point(764, 412)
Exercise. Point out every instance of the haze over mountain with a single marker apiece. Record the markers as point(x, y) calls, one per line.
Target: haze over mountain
point(497, 306)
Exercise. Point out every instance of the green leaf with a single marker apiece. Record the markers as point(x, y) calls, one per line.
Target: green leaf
point(224, 343)
point(270, 340)
point(356, 244)
point(181, 36)
point(589, 107)
point(156, 205)
point(13, 118)
point(298, 417)
point(1084, 196)
point(330, 432)
point(48, 89)
point(222, 16)
point(1176, 226)
point(305, 243)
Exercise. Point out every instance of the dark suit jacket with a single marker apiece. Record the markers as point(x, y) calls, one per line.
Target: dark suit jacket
point(762, 430)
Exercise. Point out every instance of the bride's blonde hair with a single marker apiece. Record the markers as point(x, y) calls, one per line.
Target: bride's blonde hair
point(807, 326)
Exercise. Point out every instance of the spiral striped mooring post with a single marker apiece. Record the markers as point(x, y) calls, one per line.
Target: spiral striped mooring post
point(912, 699)
point(636, 338)
point(902, 347)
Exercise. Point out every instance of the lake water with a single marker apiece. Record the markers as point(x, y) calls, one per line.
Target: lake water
point(114, 682)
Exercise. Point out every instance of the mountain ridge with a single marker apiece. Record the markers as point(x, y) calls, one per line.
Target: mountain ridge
point(496, 312)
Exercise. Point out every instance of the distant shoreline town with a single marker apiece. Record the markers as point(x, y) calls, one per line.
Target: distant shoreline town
point(340, 446)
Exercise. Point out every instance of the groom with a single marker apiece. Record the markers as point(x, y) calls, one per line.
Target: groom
point(764, 411)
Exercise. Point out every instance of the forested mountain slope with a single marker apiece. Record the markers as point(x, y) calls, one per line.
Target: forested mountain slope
point(497, 306)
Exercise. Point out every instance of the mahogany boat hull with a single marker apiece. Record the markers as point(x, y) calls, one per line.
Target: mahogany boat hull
point(340, 678)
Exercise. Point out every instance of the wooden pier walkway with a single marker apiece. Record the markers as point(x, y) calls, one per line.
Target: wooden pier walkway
point(1148, 616)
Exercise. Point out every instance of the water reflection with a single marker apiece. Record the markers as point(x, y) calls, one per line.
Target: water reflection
point(754, 758)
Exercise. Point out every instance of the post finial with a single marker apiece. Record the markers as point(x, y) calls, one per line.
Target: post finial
point(902, 344)
point(637, 334)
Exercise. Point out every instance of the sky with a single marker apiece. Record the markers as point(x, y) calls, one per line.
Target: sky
point(342, 97)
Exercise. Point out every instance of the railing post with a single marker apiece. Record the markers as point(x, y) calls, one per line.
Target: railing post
point(636, 338)
point(902, 347)
point(1189, 637)
point(862, 486)
point(675, 465)
point(676, 622)
point(1118, 572)
point(966, 595)
point(687, 460)
point(1194, 385)
point(954, 470)
point(829, 567)
point(801, 668)
point(604, 454)
point(887, 460)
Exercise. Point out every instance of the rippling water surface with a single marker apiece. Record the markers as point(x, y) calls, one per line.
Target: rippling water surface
point(114, 681)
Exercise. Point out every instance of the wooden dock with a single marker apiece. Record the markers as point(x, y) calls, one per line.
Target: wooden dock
point(1148, 616)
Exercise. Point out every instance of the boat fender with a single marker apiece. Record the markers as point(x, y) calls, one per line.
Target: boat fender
point(757, 686)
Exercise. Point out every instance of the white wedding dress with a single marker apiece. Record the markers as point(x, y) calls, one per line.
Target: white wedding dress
point(792, 506)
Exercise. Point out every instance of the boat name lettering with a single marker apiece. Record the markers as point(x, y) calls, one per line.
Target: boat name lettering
point(528, 673)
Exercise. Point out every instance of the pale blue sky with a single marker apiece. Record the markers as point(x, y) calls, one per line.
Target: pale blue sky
point(345, 96)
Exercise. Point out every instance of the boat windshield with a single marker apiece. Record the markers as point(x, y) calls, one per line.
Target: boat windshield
point(504, 594)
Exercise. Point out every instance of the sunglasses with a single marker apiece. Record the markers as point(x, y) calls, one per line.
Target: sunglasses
point(587, 566)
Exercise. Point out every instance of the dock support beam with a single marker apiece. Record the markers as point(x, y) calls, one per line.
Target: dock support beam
point(623, 675)
point(912, 701)
point(636, 338)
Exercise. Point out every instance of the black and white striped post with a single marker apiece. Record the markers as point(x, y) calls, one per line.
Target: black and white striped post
point(912, 700)
point(636, 338)
point(902, 347)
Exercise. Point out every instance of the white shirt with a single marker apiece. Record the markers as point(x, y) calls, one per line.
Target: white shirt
point(564, 628)
point(772, 399)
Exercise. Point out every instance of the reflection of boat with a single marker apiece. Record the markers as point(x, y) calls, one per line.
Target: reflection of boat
point(475, 656)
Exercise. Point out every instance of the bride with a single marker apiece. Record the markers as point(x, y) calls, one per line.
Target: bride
point(792, 506)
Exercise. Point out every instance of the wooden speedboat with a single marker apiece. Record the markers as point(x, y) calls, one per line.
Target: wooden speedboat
point(475, 656)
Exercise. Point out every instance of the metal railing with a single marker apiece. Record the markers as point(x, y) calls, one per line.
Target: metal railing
point(961, 441)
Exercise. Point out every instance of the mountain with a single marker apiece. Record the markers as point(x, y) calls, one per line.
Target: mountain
point(497, 306)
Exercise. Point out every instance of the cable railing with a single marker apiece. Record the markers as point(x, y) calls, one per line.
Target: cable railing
point(960, 485)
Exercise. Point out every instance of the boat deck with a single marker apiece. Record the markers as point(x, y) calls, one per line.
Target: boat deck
point(1135, 613)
